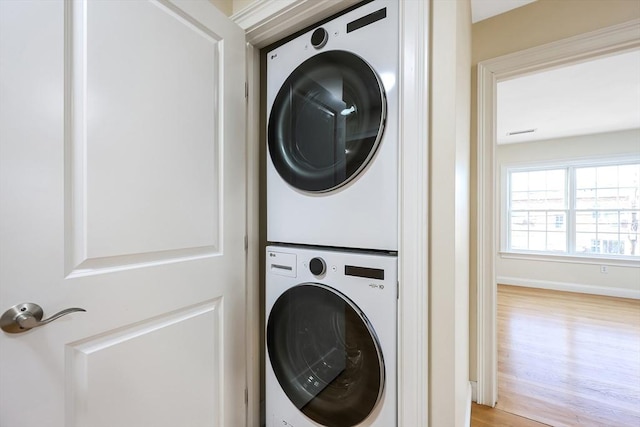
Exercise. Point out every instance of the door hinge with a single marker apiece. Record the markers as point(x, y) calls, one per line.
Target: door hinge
point(246, 243)
point(246, 90)
point(246, 397)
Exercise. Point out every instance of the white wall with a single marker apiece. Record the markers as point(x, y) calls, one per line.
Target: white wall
point(229, 7)
point(449, 223)
point(575, 274)
point(225, 6)
point(238, 5)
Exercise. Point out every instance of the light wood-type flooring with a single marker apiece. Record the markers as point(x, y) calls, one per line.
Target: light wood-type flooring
point(565, 359)
point(484, 416)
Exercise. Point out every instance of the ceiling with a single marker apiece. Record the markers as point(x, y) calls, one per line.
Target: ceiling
point(483, 9)
point(601, 95)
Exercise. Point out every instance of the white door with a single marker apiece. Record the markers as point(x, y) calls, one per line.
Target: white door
point(122, 191)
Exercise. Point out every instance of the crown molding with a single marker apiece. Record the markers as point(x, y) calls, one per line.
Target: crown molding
point(267, 21)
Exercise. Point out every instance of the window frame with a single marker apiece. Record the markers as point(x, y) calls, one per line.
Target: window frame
point(570, 166)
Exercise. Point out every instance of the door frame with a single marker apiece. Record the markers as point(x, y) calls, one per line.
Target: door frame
point(266, 22)
point(575, 49)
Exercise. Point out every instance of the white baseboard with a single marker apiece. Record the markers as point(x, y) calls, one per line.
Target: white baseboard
point(474, 391)
point(570, 287)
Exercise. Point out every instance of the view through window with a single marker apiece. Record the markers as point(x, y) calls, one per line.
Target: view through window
point(577, 209)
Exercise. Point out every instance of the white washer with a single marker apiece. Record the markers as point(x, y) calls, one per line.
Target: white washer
point(332, 162)
point(330, 338)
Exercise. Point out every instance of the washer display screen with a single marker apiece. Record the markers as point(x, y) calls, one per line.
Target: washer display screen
point(326, 121)
point(325, 355)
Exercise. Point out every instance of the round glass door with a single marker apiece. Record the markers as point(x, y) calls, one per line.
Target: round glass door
point(326, 121)
point(325, 355)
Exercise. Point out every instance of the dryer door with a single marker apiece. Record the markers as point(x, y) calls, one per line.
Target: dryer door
point(325, 355)
point(326, 121)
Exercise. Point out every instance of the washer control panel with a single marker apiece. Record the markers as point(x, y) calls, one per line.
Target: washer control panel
point(286, 264)
point(282, 263)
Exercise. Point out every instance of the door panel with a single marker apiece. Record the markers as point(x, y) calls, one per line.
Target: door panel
point(151, 349)
point(175, 143)
point(122, 191)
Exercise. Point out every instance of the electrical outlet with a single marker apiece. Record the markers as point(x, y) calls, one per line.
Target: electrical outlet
point(603, 269)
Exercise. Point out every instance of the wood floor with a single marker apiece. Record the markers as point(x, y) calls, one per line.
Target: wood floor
point(484, 416)
point(566, 359)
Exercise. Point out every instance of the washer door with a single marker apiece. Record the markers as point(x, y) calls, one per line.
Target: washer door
point(325, 355)
point(326, 121)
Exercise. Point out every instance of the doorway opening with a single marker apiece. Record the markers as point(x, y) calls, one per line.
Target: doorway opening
point(491, 213)
point(568, 164)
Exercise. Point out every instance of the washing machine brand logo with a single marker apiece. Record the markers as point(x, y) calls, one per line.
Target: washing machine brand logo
point(379, 286)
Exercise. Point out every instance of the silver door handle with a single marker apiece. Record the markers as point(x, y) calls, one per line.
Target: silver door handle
point(25, 316)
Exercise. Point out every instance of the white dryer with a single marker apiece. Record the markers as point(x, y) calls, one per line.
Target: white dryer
point(332, 163)
point(330, 338)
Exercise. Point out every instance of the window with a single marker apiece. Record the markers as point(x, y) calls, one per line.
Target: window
point(590, 210)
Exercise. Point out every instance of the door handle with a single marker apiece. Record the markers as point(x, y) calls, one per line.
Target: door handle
point(22, 317)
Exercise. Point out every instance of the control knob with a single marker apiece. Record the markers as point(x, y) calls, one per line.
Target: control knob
point(317, 266)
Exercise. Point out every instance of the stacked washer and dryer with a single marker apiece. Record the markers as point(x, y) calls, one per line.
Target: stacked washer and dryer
point(332, 203)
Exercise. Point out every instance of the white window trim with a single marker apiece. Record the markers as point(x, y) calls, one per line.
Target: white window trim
point(570, 256)
point(620, 261)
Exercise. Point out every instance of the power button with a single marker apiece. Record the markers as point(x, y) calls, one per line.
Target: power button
point(317, 266)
